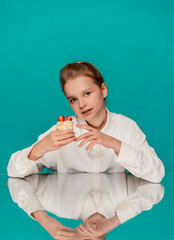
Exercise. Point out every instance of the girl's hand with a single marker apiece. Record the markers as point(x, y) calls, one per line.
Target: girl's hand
point(57, 139)
point(94, 228)
point(56, 229)
point(98, 227)
point(98, 138)
point(51, 142)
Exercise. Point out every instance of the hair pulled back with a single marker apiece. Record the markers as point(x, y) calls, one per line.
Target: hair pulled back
point(76, 69)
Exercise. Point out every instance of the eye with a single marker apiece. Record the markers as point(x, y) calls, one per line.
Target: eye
point(88, 93)
point(72, 100)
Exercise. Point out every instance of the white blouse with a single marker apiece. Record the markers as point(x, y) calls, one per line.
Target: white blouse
point(78, 196)
point(135, 154)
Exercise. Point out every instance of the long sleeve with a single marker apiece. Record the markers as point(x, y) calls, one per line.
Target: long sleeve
point(139, 158)
point(143, 199)
point(23, 192)
point(20, 165)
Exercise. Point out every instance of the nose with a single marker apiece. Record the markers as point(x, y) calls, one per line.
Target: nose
point(82, 103)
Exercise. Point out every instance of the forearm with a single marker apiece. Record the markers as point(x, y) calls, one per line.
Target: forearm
point(143, 199)
point(114, 221)
point(116, 145)
point(40, 215)
point(35, 153)
point(50, 224)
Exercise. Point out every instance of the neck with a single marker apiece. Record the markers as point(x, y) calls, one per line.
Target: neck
point(100, 121)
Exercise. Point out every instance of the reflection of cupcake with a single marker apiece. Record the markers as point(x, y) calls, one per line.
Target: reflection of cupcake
point(63, 124)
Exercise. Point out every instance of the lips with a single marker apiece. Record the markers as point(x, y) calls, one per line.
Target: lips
point(86, 110)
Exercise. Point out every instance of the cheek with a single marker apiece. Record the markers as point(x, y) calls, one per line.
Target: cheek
point(74, 107)
point(97, 97)
point(94, 97)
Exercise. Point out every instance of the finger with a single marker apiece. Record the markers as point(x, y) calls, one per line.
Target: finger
point(65, 136)
point(88, 221)
point(80, 231)
point(84, 229)
point(91, 144)
point(67, 233)
point(83, 136)
point(87, 127)
point(92, 221)
point(60, 132)
point(66, 141)
point(69, 229)
point(85, 141)
point(91, 230)
point(60, 237)
point(81, 236)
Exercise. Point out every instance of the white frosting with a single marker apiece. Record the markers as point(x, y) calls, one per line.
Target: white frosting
point(64, 125)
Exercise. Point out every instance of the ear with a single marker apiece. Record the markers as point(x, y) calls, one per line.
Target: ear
point(104, 90)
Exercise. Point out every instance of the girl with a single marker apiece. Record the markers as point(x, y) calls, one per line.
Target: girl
point(101, 141)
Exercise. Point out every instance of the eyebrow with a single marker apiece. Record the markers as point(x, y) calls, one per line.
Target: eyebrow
point(82, 92)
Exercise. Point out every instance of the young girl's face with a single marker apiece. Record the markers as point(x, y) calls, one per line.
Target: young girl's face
point(83, 94)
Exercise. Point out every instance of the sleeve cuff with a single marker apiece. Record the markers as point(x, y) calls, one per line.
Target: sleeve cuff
point(127, 155)
point(20, 165)
point(140, 163)
point(124, 211)
point(30, 205)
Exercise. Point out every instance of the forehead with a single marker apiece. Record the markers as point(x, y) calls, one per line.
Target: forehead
point(77, 85)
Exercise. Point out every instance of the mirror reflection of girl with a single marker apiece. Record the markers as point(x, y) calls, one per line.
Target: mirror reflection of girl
point(101, 141)
point(101, 201)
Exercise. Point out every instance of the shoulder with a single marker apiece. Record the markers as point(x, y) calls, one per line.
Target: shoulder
point(126, 126)
point(122, 119)
point(123, 124)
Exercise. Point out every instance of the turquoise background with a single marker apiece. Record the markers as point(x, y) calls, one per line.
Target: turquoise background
point(130, 42)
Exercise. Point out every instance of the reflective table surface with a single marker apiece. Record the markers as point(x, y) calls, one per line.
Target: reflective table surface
point(58, 206)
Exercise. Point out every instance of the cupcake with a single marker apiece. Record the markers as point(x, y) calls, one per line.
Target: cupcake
point(64, 124)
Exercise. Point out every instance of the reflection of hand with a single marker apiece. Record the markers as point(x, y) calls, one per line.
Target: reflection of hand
point(55, 228)
point(98, 227)
point(58, 230)
point(96, 137)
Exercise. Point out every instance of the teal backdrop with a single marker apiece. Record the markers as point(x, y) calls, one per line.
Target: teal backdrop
point(130, 42)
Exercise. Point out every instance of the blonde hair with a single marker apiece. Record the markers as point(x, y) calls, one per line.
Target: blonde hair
point(73, 70)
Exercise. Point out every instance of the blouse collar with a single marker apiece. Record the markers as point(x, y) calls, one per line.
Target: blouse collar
point(83, 122)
